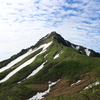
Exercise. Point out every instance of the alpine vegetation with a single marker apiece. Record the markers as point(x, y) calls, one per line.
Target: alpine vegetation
point(53, 68)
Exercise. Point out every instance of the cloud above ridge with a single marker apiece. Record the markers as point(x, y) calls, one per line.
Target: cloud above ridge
point(24, 22)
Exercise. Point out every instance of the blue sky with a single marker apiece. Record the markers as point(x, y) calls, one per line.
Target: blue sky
point(24, 22)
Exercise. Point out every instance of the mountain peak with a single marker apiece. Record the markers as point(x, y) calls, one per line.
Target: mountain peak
point(57, 37)
point(45, 66)
point(53, 33)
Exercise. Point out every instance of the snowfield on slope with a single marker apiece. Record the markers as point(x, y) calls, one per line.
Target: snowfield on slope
point(40, 95)
point(91, 85)
point(77, 47)
point(56, 56)
point(87, 52)
point(15, 61)
point(73, 46)
point(44, 46)
point(34, 72)
point(76, 82)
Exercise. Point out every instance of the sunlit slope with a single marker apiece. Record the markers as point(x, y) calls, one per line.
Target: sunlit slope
point(50, 60)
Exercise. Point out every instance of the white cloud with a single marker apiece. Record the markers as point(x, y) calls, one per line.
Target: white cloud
point(24, 22)
point(15, 1)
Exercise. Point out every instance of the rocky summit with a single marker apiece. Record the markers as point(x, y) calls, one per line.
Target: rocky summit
point(52, 69)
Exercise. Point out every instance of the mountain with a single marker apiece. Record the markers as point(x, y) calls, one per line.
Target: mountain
point(53, 68)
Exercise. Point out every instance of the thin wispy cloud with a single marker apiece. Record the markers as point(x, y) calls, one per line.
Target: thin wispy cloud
point(24, 22)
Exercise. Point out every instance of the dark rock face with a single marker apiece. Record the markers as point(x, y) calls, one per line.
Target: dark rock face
point(59, 39)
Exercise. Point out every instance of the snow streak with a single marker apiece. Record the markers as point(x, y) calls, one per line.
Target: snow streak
point(87, 52)
point(56, 56)
point(76, 82)
point(15, 61)
point(91, 85)
point(44, 46)
point(41, 94)
point(34, 72)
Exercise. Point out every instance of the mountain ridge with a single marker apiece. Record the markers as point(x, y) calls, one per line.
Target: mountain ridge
point(60, 39)
point(53, 66)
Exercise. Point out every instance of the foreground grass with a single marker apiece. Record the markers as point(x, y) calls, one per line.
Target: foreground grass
point(90, 94)
point(93, 94)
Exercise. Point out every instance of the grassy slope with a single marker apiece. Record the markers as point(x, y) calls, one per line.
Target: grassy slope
point(70, 64)
point(90, 94)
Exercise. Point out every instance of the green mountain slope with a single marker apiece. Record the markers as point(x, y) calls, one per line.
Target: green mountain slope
point(53, 59)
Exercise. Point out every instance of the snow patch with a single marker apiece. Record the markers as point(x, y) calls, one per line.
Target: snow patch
point(15, 61)
point(91, 85)
point(81, 51)
point(18, 68)
point(40, 95)
point(34, 72)
point(76, 82)
point(46, 36)
point(37, 70)
point(87, 52)
point(44, 46)
point(56, 56)
point(77, 47)
point(73, 46)
point(26, 63)
point(45, 55)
